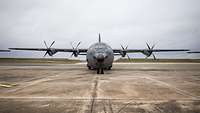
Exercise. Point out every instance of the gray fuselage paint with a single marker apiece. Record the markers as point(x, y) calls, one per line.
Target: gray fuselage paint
point(100, 49)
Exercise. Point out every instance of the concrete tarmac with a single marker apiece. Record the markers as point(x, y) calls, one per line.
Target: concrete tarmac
point(127, 88)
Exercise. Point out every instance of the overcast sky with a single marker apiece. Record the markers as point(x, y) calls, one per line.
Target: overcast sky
point(168, 23)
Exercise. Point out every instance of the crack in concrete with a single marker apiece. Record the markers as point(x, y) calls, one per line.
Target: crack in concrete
point(94, 94)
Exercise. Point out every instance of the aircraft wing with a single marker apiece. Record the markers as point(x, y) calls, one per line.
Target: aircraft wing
point(4, 50)
point(147, 52)
point(193, 52)
point(55, 49)
point(167, 50)
point(142, 50)
point(30, 49)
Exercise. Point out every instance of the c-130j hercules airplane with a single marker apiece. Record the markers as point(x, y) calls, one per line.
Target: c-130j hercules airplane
point(99, 55)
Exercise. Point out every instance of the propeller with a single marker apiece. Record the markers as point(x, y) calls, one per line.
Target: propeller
point(149, 52)
point(75, 49)
point(124, 52)
point(50, 51)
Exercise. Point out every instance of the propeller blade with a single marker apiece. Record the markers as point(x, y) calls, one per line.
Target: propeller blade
point(45, 44)
point(127, 47)
point(152, 47)
point(154, 57)
point(72, 45)
point(72, 54)
point(78, 45)
point(45, 54)
point(51, 44)
point(122, 47)
point(148, 46)
point(128, 57)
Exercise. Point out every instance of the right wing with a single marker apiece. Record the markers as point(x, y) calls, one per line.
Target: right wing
point(46, 49)
point(51, 51)
point(4, 50)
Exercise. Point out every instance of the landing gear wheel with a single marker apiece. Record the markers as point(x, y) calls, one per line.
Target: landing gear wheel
point(109, 68)
point(98, 70)
point(102, 71)
point(89, 68)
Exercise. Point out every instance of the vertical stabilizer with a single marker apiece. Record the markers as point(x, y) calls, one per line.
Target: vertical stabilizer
point(99, 38)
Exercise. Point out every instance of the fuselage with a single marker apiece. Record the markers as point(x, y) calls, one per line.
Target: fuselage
point(100, 55)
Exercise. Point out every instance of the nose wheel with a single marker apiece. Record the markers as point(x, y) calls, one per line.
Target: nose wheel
point(100, 71)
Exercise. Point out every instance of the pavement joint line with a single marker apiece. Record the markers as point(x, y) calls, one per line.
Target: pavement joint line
point(182, 92)
point(79, 98)
point(89, 99)
point(94, 93)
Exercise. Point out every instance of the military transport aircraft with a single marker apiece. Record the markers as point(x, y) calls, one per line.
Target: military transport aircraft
point(99, 55)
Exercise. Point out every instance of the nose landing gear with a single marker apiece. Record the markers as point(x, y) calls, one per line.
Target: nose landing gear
point(100, 71)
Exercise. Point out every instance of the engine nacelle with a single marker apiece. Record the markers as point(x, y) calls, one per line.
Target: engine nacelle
point(76, 53)
point(123, 53)
point(147, 53)
point(51, 52)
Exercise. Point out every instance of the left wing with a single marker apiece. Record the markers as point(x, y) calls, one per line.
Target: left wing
point(143, 50)
point(148, 52)
point(193, 52)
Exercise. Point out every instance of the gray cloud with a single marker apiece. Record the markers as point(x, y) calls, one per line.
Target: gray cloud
point(169, 23)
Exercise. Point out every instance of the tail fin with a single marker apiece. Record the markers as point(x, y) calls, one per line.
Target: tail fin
point(99, 38)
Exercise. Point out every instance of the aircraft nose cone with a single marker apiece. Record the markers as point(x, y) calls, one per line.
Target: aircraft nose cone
point(100, 57)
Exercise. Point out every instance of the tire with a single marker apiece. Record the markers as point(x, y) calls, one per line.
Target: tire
point(102, 71)
point(89, 67)
point(98, 70)
point(109, 68)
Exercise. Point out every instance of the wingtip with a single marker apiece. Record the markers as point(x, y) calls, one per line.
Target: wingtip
point(193, 52)
point(4, 50)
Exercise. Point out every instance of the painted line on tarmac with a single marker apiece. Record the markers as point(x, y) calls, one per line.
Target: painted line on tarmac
point(7, 85)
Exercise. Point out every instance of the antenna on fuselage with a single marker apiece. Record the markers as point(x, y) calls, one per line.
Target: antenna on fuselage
point(99, 38)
